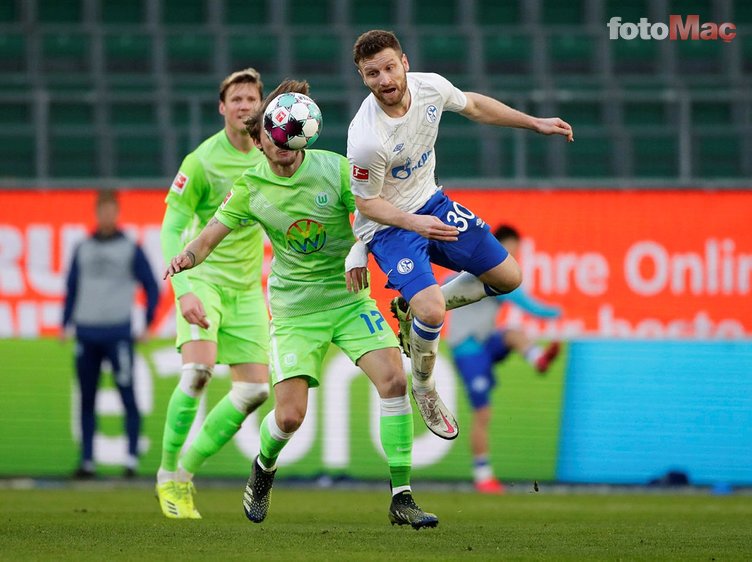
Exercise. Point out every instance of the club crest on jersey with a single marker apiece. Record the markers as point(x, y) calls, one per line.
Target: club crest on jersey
point(431, 113)
point(226, 200)
point(359, 174)
point(179, 183)
point(322, 199)
point(405, 266)
point(306, 236)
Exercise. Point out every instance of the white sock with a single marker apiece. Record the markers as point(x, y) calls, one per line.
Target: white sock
point(462, 290)
point(424, 345)
point(482, 469)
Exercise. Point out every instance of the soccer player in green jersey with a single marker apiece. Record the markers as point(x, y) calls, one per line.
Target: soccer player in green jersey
point(303, 201)
point(221, 312)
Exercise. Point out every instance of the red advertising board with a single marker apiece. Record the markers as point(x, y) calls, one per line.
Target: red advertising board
point(621, 263)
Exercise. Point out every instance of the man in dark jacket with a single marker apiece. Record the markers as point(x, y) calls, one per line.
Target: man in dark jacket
point(104, 274)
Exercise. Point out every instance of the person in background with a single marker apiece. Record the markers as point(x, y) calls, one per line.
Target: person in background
point(478, 345)
point(106, 269)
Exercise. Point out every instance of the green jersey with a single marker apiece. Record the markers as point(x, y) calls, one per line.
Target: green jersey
point(205, 177)
point(307, 219)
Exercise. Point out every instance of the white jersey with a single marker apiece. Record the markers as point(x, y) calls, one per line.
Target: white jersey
point(394, 158)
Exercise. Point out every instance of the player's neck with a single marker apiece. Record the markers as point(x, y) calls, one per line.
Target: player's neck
point(240, 140)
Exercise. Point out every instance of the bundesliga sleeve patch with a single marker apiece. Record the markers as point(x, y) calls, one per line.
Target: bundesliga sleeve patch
point(227, 198)
point(179, 183)
point(359, 174)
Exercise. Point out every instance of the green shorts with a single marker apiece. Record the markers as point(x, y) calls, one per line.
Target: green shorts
point(238, 323)
point(299, 343)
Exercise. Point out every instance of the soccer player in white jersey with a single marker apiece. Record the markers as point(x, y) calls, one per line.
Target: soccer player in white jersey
point(405, 218)
point(302, 199)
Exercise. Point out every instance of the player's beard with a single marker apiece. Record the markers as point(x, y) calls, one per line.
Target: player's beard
point(396, 97)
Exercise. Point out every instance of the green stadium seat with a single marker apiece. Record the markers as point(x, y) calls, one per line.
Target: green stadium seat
point(139, 155)
point(256, 49)
point(639, 114)
point(59, 11)
point(458, 153)
point(184, 12)
point(123, 13)
point(19, 152)
point(74, 156)
point(316, 58)
point(370, 14)
point(190, 54)
point(10, 12)
point(629, 11)
point(66, 52)
point(745, 46)
point(655, 155)
point(712, 113)
point(445, 53)
point(742, 13)
point(67, 115)
point(695, 58)
point(16, 114)
point(335, 113)
point(635, 57)
point(717, 155)
point(556, 12)
point(12, 53)
point(704, 8)
point(498, 12)
point(507, 53)
point(246, 12)
point(590, 156)
point(582, 113)
point(304, 13)
point(536, 157)
point(572, 53)
point(133, 115)
point(332, 139)
point(128, 53)
point(436, 12)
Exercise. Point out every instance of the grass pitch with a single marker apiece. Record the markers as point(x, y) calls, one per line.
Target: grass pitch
point(124, 523)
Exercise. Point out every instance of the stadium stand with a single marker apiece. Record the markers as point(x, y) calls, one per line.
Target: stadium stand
point(133, 75)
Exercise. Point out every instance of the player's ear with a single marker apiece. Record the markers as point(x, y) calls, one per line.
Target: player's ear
point(221, 108)
point(405, 62)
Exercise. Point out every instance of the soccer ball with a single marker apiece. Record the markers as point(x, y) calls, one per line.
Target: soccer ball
point(292, 121)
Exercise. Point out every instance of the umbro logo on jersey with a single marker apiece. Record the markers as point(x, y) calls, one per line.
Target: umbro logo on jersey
point(399, 148)
point(179, 183)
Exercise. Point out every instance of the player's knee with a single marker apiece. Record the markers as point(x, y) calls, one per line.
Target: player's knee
point(394, 383)
point(194, 378)
point(289, 419)
point(247, 396)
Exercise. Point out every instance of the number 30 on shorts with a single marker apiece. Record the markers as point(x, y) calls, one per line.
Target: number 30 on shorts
point(459, 216)
point(376, 324)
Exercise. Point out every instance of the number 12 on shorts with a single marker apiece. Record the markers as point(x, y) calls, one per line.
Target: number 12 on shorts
point(379, 321)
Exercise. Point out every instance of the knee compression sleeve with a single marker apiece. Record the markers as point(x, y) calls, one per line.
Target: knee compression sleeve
point(194, 378)
point(247, 396)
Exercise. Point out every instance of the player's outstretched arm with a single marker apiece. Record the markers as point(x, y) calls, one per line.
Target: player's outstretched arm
point(198, 249)
point(428, 226)
point(484, 109)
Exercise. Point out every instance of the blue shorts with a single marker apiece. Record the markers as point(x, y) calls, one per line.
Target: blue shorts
point(406, 257)
point(476, 369)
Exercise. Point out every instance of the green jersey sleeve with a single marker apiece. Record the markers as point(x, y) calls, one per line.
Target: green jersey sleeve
point(235, 210)
point(171, 238)
point(189, 187)
point(347, 195)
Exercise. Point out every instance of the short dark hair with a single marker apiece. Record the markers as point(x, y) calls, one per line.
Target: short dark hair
point(373, 42)
point(246, 76)
point(106, 196)
point(254, 123)
point(504, 232)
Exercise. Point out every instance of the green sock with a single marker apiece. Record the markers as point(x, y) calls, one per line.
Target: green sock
point(273, 440)
point(220, 425)
point(181, 411)
point(397, 441)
